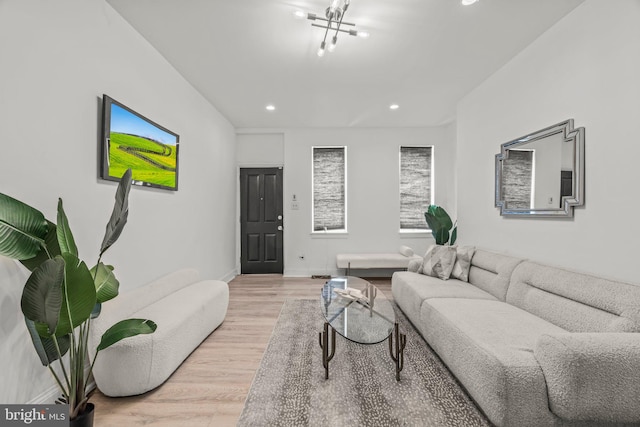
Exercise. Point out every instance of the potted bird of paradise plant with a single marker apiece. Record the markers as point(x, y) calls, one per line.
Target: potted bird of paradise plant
point(444, 230)
point(62, 295)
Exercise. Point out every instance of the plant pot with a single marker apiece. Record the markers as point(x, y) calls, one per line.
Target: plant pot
point(84, 419)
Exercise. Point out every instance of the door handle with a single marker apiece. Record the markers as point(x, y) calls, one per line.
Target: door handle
point(279, 228)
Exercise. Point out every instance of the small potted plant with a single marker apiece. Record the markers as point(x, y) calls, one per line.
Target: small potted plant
point(62, 294)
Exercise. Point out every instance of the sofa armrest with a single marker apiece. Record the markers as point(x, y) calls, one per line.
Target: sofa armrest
point(415, 266)
point(592, 376)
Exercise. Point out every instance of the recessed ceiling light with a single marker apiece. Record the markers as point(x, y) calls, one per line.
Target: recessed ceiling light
point(468, 2)
point(270, 107)
point(394, 106)
point(299, 14)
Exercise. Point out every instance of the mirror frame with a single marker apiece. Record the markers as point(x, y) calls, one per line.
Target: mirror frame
point(576, 137)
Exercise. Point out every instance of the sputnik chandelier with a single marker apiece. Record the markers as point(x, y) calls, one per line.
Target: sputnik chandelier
point(332, 24)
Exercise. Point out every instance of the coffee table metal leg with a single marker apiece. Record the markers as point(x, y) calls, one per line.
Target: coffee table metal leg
point(325, 342)
point(400, 342)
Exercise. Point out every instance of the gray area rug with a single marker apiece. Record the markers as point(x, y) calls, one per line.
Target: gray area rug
point(289, 388)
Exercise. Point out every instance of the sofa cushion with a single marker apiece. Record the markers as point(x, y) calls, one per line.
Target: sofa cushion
point(464, 254)
point(488, 345)
point(410, 289)
point(439, 261)
point(491, 272)
point(592, 376)
point(575, 301)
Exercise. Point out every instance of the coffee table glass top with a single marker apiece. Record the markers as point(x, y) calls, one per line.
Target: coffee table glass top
point(344, 302)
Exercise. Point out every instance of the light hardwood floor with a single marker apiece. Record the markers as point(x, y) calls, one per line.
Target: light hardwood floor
point(209, 388)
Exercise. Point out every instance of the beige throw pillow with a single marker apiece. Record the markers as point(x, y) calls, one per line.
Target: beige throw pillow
point(438, 261)
point(463, 262)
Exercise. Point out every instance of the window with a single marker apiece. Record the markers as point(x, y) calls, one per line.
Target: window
point(329, 189)
point(416, 186)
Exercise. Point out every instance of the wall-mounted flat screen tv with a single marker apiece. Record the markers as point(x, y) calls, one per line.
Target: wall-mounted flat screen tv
point(131, 141)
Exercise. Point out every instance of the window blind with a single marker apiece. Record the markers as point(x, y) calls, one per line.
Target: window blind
point(329, 189)
point(416, 180)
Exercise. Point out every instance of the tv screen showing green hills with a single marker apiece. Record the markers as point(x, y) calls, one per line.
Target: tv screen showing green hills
point(150, 161)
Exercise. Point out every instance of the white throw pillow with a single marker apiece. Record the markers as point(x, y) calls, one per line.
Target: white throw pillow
point(406, 251)
point(438, 261)
point(463, 262)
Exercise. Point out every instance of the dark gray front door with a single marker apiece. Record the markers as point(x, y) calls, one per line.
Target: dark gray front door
point(261, 220)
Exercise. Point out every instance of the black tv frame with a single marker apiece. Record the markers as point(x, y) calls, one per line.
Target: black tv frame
point(105, 142)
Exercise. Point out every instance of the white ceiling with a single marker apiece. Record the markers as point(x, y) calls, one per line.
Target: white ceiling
point(424, 55)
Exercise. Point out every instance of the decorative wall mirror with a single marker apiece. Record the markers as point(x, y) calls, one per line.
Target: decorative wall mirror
point(542, 174)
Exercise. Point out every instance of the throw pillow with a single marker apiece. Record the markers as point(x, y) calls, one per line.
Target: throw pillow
point(463, 262)
point(406, 251)
point(438, 261)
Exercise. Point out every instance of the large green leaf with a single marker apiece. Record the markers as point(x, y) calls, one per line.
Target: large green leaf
point(432, 221)
point(105, 281)
point(454, 235)
point(442, 216)
point(79, 295)
point(440, 223)
point(65, 237)
point(45, 347)
point(42, 294)
point(120, 213)
point(52, 249)
point(125, 329)
point(441, 236)
point(22, 229)
point(97, 309)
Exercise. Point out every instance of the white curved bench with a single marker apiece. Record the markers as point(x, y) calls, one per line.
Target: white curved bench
point(376, 260)
point(186, 310)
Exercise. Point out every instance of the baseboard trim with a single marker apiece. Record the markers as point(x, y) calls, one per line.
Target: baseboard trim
point(308, 273)
point(230, 275)
point(46, 397)
point(49, 396)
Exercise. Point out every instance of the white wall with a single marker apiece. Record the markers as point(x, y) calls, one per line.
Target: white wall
point(372, 193)
point(586, 67)
point(260, 149)
point(58, 58)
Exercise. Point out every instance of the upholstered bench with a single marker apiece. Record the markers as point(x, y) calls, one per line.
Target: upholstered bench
point(399, 260)
point(186, 310)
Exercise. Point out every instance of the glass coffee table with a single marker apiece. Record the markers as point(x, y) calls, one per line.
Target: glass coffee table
point(361, 313)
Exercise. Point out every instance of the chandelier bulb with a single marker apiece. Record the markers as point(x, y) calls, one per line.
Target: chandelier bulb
point(321, 49)
point(332, 45)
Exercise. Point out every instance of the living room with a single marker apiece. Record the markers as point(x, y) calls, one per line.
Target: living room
point(59, 58)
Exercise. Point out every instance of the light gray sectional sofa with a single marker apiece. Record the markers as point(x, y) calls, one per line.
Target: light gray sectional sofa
point(533, 345)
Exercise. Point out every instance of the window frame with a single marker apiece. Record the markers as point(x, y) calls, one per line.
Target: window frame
point(313, 204)
point(432, 189)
